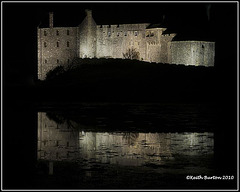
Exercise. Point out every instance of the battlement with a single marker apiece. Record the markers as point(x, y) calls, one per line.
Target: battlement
point(151, 43)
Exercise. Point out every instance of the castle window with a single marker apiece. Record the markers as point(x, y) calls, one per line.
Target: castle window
point(68, 44)
point(45, 44)
point(45, 142)
point(67, 32)
point(109, 34)
point(125, 33)
point(135, 33)
point(57, 61)
point(45, 60)
point(57, 32)
point(57, 44)
point(118, 26)
point(45, 33)
point(118, 34)
point(152, 34)
point(202, 46)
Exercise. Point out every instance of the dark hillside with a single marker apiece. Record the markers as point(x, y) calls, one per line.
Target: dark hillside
point(128, 80)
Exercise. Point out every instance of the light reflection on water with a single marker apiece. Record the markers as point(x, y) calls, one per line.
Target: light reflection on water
point(62, 142)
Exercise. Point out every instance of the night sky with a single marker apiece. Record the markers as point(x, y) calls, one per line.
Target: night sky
point(191, 21)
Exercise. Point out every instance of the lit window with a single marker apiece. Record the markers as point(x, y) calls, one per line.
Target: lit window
point(45, 33)
point(57, 44)
point(68, 44)
point(45, 44)
point(67, 32)
point(57, 32)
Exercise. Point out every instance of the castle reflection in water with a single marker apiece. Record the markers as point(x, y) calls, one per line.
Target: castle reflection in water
point(65, 142)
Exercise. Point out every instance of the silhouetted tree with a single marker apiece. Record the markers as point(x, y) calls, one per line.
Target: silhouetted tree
point(131, 54)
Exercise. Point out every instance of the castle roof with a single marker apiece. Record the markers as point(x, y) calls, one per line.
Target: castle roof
point(156, 25)
point(169, 31)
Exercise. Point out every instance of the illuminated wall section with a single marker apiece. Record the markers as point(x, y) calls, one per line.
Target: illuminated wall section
point(56, 46)
point(87, 36)
point(60, 45)
point(198, 53)
point(114, 40)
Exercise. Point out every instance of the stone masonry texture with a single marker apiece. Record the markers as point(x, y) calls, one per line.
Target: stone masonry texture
point(60, 45)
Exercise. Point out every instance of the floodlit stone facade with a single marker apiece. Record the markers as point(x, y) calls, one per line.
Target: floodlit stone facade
point(60, 45)
point(192, 52)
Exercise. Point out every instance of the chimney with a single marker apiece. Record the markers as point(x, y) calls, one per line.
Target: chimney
point(88, 12)
point(51, 19)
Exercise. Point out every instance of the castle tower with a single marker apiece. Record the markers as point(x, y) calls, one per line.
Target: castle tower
point(87, 36)
point(50, 19)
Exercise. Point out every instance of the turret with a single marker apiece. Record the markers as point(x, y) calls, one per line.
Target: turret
point(50, 19)
point(87, 36)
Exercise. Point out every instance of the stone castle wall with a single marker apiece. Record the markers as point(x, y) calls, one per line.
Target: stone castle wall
point(165, 54)
point(60, 45)
point(114, 40)
point(87, 37)
point(197, 53)
point(56, 46)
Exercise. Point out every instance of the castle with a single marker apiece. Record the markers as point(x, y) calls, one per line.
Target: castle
point(151, 43)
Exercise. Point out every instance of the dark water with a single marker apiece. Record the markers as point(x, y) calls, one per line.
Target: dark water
point(120, 146)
